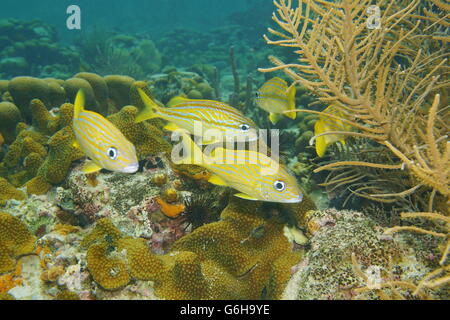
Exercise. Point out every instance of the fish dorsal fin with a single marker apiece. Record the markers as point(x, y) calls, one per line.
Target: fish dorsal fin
point(90, 167)
point(279, 80)
point(150, 107)
point(215, 179)
point(79, 104)
point(274, 117)
point(245, 196)
point(177, 100)
point(171, 126)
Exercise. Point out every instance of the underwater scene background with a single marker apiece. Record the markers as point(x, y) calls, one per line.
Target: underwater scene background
point(356, 90)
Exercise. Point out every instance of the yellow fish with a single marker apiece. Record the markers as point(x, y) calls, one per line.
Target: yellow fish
point(255, 175)
point(275, 97)
point(101, 141)
point(212, 115)
point(327, 124)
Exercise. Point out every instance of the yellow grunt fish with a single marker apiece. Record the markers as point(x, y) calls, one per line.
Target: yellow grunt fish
point(327, 124)
point(101, 141)
point(275, 97)
point(255, 175)
point(229, 123)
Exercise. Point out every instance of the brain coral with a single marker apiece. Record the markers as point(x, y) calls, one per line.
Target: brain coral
point(119, 89)
point(24, 89)
point(100, 88)
point(15, 241)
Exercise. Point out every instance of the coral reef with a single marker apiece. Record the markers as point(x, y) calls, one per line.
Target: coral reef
point(338, 238)
point(200, 265)
point(32, 47)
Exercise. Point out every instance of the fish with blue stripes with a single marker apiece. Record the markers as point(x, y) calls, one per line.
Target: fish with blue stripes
point(328, 124)
point(214, 116)
point(101, 141)
point(255, 175)
point(275, 97)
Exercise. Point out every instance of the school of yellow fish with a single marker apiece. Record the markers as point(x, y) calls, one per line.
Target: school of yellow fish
point(255, 175)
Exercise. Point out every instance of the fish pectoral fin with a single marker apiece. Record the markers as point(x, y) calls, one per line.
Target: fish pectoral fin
point(245, 196)
point(215, 179)
point(90, 167)
point(171, 126)
point(274, 117)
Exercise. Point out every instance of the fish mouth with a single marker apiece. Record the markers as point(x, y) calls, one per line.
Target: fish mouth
point(295, 200)
point(131, 168)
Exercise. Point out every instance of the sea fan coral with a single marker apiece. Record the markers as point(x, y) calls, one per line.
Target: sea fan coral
point(387, 79)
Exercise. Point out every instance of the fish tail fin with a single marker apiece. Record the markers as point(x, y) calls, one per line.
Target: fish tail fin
point(321, 144)
point(79, 104)
point(150, 107)
point(274, 118)
point(192, 154)
point(291, 99)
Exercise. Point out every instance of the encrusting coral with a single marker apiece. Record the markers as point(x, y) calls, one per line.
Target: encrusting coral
point(202, 264)
point(400, 106)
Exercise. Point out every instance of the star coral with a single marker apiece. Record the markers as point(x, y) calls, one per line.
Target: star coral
point(147, 138)
point(8, 191)
point(201, 265)
point(15, 241)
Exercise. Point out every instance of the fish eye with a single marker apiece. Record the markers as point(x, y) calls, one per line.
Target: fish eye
point(244, 127)
point(279, 185)
point(257, 94)
point(112, 153)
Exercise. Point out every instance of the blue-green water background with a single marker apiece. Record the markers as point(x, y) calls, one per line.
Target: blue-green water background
point(152, 16)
